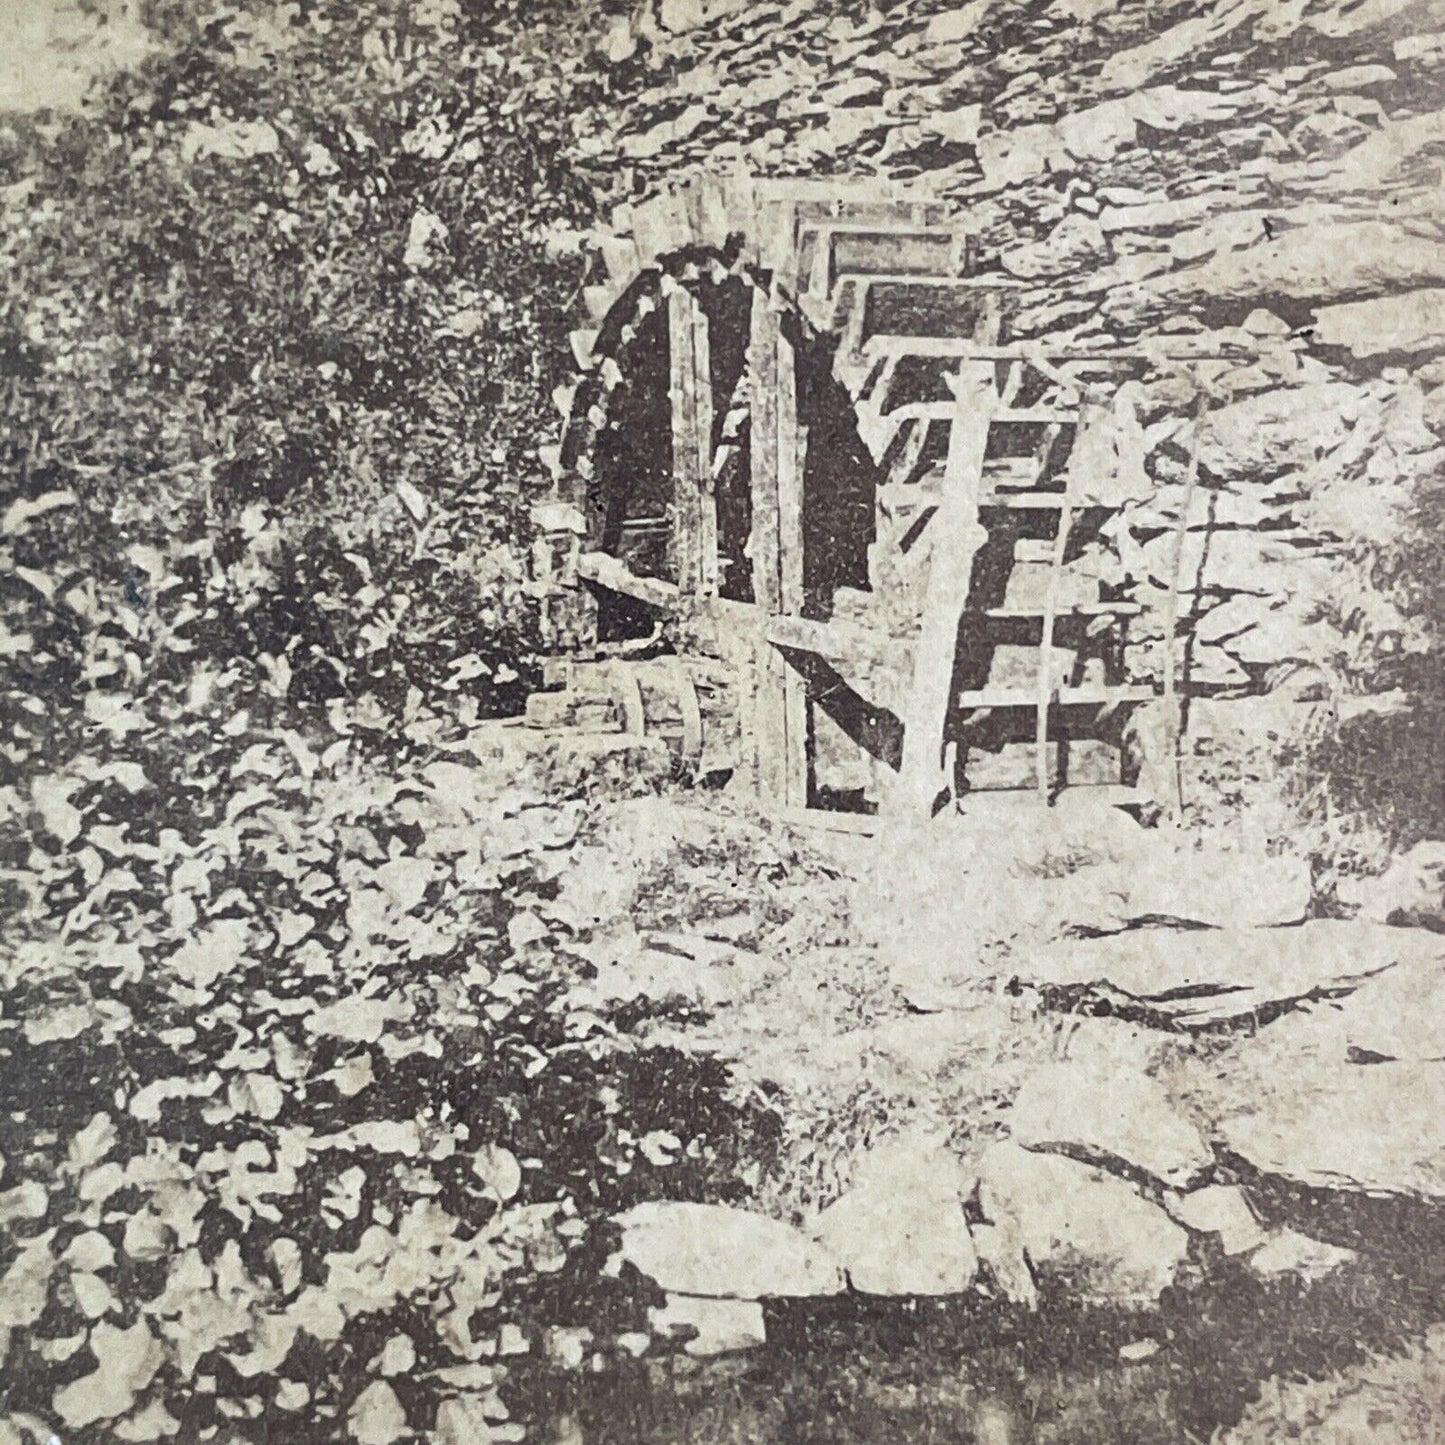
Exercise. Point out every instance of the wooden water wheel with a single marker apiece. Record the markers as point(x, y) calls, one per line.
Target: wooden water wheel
point(804, 456)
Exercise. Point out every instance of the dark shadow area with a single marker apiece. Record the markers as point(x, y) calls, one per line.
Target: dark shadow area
point(863, 1371)
point(840, 479)
point(875, 729)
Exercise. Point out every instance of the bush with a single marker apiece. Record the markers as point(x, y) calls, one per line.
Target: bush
point(290, 287)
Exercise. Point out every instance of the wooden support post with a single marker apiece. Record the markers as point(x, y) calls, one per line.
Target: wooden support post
point(1045, 689)
point(792, 448)
point(767, 747)
point(703, 435)
point(775, 547)
point(1173, 708)
point(686, 484)
point(957, 536)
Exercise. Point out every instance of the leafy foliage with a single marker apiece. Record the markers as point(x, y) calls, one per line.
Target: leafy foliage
point(217, 326)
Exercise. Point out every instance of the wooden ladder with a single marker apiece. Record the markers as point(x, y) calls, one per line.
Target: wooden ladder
point(1004, 481)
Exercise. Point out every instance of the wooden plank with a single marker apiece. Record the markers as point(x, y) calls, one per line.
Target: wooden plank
point(687, 538)
point(614, 574)
point(690, 711)
point(1173, 712)
point(767, 746)
point(792, 452)
point(1003, 416)
point(957, 536)
point(763, 446)
point(622, 681)
point(841, 641)
point(963, 348)
point(908, 280)
point(1006, 697)
point(1074, 609)
point(706, 503)
point(1046, 648)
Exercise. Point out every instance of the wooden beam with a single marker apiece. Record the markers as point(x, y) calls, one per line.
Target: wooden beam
point(763, 447)
point(792, 454)
point(615, 575)
point(766, 748)
point(839, 641)
point(707, 547)
point(686, 483)
point(962, 348)
point(1045, 682)
point(957, 536)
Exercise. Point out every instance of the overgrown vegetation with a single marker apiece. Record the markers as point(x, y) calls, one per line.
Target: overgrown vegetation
point(282, 316)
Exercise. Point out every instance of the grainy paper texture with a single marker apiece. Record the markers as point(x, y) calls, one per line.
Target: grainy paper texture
point(720, 722)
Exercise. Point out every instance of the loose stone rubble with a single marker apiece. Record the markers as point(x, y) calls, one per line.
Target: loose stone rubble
point(1125, 1169)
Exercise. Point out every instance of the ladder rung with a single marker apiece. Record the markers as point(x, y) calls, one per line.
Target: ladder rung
point(1076, 609)
point(956, 283)
point(862, 226)
point(964, 348)
point(1037, 502)
point(1115, 795)
point(1007, 697)
point(1012, 416)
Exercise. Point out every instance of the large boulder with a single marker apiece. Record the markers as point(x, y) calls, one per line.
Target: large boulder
point(1082, 1227)
point(1278, 431)
point(1116, 1117)
point(900, 1230)
point(724, 1253)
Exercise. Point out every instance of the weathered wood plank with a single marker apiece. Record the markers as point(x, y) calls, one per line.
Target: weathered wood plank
point(706, 502)
point(1050, 615)
point(792, 451)
point(763, 447)
point(957, 536)
point(614, 574)
point(686, 483)
point(767, 746)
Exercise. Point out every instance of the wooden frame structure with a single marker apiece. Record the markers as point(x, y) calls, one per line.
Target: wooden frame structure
point(919, 346)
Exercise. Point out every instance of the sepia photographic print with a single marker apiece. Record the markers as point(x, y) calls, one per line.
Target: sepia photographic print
point(721, 722)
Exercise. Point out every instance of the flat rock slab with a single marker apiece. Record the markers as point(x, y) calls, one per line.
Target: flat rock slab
point(723, 1253)
point(1399, 1015)
point(1344, 1095)
point(1104, 1114)
point(1200, 976)
point(1102, 1241)
point(1219, 887)
point(1374, 1128)
point(711, 1326)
